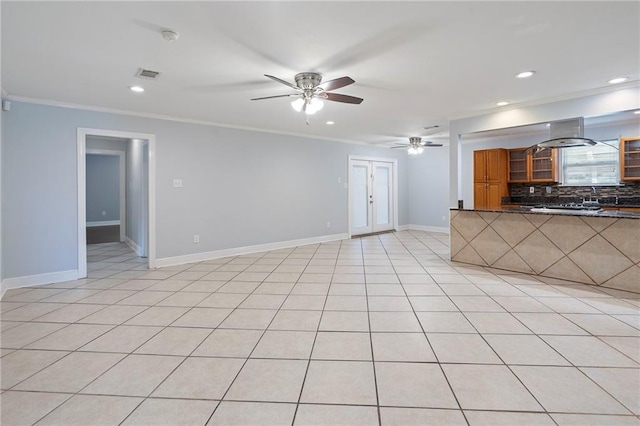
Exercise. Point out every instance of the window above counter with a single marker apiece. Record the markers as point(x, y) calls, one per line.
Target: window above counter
point(591, 165)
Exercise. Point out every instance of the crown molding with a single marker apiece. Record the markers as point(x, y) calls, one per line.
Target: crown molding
point(70, 105)
point(574, 95)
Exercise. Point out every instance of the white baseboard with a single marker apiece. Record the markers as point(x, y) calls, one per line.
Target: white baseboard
point(31, 280)
point(128, 241)
point(238, 251)
point(425, 228)
point(103, 223)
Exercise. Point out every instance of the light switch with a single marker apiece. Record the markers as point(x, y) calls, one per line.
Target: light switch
point(177, 183)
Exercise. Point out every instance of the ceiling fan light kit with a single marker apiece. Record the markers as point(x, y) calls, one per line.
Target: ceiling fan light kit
point(312, 92)
point(309, 106)
point(416, 145)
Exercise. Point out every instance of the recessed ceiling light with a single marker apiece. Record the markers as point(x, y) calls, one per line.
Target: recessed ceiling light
point(525, 74)
point(636, 112)
point(548, 124)
point(618, 80)
point(330, 123)
point(502, 103)
point(137, 89)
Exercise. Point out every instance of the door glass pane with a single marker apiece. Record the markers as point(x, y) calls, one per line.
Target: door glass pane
point(359, 196)
point(381, 195)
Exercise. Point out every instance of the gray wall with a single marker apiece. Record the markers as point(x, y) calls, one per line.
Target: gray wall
point(103, 188)
point(241, 187)
point(136, 183)
point(429, 188)
point(110, 144)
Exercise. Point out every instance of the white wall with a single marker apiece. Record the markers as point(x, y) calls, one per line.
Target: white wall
point(241, 188)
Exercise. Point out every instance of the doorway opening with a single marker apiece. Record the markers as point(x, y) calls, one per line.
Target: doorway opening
point(135, 218)
point(373, 204)
point(105, 190)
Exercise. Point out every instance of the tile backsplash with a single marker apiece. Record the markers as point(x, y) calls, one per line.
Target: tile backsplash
point(627, 194)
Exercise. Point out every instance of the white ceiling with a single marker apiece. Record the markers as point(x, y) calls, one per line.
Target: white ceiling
point(415, 63)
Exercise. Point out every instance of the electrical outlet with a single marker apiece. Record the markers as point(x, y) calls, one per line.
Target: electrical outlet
point(177, 183)
point(531, 190)
point(328, 224)
point(339, 180)
point(548, 190)
point(104, 213)
point(196, 239)
point(443, 218)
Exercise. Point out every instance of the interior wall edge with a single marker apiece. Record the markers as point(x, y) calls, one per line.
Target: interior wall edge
point(40, 279)
point(238, 251)
point(425, 228)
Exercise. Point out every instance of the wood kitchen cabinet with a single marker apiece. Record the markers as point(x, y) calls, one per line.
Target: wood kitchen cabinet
point(630, 158)
point(528, 167)
point(518, 165)
point(489, 178)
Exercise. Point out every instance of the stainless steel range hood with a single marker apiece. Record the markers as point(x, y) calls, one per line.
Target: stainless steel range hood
point(566, 134)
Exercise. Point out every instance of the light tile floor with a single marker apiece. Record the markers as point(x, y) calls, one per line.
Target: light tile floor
point(376, 330)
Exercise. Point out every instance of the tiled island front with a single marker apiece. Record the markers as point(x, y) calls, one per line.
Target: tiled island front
point(595, 249)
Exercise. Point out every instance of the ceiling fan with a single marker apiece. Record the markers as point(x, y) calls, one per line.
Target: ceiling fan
point(416, 145)
point(311, 92)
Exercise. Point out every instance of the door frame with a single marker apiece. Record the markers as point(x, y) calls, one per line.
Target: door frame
point(121, 182)
point(394, 163)
point(82, 134)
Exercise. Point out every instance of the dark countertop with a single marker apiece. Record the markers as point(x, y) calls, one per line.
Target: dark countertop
point(622, 202)
point(600, 213)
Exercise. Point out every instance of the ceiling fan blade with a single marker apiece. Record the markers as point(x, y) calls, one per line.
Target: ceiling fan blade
point(401, 146)
point(336, 97)
point(286, 83)
point(430, 144)
point(277, 96)
point(336, 83)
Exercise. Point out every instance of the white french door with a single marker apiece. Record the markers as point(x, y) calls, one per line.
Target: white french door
point(372, 196)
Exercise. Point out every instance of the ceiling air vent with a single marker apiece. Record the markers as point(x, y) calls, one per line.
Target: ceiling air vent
point(147, 74)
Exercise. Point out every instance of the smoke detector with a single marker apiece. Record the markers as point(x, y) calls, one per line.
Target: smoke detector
point(169, 35)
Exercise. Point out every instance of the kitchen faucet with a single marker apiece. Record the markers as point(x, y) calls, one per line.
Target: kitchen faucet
point(593, 188)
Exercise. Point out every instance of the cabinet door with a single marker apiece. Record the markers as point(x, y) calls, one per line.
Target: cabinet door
point(479, 195)
point(479, 166)
point(494, 196)
point(630, 158)
point(495, 165)
point(518, 167)
point(543, 166)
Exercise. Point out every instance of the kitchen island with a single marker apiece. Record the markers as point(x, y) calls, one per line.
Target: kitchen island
point(600, 248)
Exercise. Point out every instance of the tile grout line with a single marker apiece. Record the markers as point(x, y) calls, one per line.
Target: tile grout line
point(315, 339)
point(222, 398)
point(430, 345)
